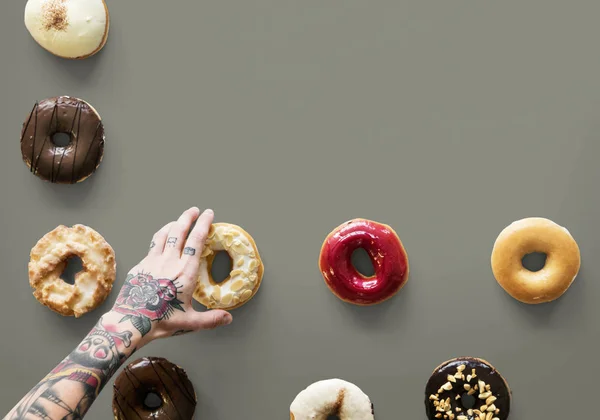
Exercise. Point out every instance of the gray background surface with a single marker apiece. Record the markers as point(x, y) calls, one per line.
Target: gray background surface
point(447, 120)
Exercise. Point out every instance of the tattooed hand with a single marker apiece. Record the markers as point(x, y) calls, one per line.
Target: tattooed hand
point(157, 296)
point(155, 302)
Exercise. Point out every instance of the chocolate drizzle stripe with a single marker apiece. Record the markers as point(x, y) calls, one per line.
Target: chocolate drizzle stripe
point(53, 154)
point(129, 372)
point(126, 402)
point(78, 109)
point(90, 148)
point(47, 135)
point(166, 389)
point(34, 137)
point(34, 109)
point(180, 384)
point(76, 144)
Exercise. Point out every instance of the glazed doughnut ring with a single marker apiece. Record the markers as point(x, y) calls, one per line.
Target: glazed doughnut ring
point(49, 258)
point(65, 164)
point(332, 397)
point(467, 388)
point(153, 375)
point(535, 235)
point(245, 278)
point(387, 254)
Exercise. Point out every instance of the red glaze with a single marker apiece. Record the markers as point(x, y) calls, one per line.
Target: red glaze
point(387, 255)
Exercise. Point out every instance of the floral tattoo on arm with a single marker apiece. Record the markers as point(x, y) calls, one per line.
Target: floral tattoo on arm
point(144, 299)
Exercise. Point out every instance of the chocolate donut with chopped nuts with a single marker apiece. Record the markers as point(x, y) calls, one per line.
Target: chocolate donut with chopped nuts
point(467, 388)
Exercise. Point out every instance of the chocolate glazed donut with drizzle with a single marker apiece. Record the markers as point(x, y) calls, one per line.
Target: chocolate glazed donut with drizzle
point(158, 376)
point(62, 164)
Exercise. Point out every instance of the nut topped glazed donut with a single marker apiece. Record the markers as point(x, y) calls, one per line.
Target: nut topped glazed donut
point(467, 388)
point(387, 254)
point(62, 164)
point(332, 397)
point(158, 376)
point(526, 236)
point(244, 279)
point(73, 29)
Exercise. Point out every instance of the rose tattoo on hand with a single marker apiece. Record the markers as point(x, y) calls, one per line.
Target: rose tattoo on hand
point(144, 299)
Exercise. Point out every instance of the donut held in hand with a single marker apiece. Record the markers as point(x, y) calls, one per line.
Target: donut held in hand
point(530, 235)
point(73, 29)
point(387, 254)
point(332, 397)
point(247, 268)
point(153, 375)
point(62, 164)
point(467, 388)
point(49, 258)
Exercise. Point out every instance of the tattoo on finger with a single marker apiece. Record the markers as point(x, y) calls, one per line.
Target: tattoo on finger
point(171, 241)
point(152, 244)
point(188, 250)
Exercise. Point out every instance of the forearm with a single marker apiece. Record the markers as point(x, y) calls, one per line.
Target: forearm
point(70, 388)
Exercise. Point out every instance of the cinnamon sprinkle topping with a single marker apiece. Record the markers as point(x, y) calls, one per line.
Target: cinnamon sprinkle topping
point(54, 15)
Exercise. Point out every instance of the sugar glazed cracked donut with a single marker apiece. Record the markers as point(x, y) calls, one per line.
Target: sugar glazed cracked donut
point(73, 29)
point(387, 254)
point(467, 388)
point(332, 397)
point(153, 375)
point(50, 256)
point(244, 279)
point(69, 163)
point(530, 235)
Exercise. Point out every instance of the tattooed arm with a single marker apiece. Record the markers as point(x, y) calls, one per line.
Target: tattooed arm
point(155, 302)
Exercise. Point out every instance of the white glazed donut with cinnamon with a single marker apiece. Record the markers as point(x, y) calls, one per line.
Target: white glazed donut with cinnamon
point(332, 397)
point(73, 29)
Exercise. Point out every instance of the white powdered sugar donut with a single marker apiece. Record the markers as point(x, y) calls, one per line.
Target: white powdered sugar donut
point(73, 29)
point(246, 274)
point(332, 397)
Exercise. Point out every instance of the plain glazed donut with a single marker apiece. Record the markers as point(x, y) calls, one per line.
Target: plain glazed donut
point(49, 258)
point(73, 29)
point(467, 388)
point(530, 235)
point(153, 375)
point(71, 163)
point(332, 397)
point(245, 277)
point(387, 254)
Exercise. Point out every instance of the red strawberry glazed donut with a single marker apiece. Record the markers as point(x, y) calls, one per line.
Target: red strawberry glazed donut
point(387, 255)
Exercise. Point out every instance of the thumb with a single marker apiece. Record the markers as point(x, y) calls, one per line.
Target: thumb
point(210, 319)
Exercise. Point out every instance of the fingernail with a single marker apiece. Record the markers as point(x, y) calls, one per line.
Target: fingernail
point(226, 319)
point(208, 211)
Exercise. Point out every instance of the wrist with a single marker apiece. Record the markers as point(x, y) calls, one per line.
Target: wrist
point(127, 337)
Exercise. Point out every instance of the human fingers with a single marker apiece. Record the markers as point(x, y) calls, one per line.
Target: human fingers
point(179, 231)
point(159, 239)
point(195, 243)
point(208, 320)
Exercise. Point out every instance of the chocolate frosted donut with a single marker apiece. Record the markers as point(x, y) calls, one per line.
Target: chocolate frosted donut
point(62, 164)
point(158, 376)
point(467, 388)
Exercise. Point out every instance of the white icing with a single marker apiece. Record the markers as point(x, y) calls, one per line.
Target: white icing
point(244, 276)
point(321, 398)
point(84, 31)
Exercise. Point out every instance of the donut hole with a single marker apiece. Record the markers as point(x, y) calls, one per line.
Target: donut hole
point(61, 139)
point(361, 260)
point(74, 266)
point(221, 266)
point(152, 400)
point(534, 261)
point(467, 401)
